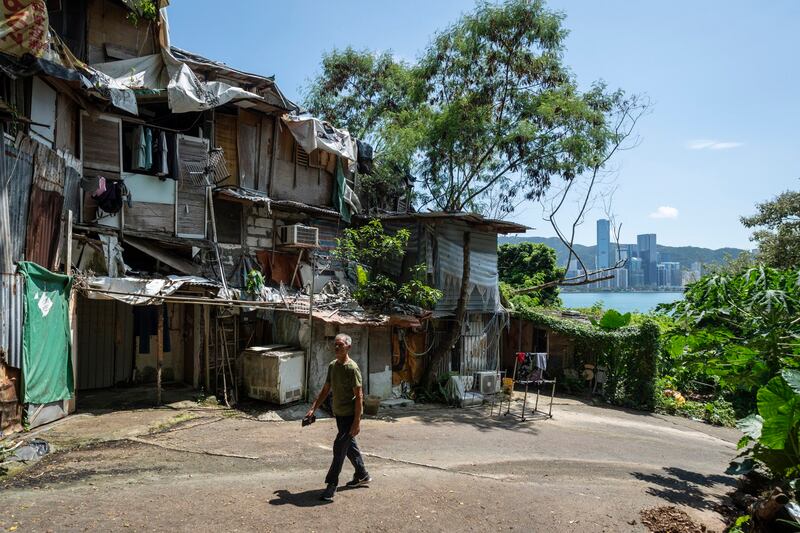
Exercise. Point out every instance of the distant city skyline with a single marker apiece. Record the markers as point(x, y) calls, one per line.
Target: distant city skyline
point(633, 266)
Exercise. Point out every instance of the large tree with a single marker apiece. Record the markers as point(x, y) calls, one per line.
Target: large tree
point(489, 111)
point(778, 238)
point(529, 264)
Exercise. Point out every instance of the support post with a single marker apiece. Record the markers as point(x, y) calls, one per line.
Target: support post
point(196, 345)
point(206, 346)
point(159, 352)
point(311, 326)
point(71, 405)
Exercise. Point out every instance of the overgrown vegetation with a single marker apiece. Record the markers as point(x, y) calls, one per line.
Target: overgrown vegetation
point(739, 329)
point(630, 353)
point(142, 10)
point(528, 265)
point(371, 252)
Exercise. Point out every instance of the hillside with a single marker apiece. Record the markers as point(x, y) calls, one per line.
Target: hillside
point(686, 255)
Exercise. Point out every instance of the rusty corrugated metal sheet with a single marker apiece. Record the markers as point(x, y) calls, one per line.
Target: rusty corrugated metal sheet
point(16, 173)
point(44, 227)
point(11, 318)
point(44, 211)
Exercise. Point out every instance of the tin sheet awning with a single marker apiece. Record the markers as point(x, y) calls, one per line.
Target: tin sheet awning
point(370, 320)
point(141, 291)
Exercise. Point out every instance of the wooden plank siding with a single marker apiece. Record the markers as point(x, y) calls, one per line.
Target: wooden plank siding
point(107, 24)
point(226, 129)
point(101, 146)
point(150, 216)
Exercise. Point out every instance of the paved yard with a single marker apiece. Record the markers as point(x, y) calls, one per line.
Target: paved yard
point(588, 469)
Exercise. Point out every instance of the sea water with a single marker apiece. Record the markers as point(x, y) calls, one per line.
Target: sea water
point(623, 302)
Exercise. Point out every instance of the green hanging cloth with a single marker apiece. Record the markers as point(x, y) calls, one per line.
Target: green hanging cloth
point(339, 187)
point(46, 346)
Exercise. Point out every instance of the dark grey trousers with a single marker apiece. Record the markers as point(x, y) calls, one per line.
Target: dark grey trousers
point(345, 446)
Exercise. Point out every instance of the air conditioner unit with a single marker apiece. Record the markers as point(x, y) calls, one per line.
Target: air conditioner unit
point(299, 234)
point(487, 382)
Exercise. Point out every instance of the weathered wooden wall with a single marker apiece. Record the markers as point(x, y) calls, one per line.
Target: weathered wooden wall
point(111, 36)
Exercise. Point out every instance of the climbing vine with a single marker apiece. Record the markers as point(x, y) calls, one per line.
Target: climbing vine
point(630, 353)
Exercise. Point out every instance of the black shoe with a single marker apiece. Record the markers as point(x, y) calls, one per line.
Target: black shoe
point(328, 494)
point(357, 482)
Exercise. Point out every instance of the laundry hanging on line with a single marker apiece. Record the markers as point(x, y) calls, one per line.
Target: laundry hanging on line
point(145, 324)
point(535, 359)
point(149, 151)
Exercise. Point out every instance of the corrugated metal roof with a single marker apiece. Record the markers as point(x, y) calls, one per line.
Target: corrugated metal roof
point(472, 219)
point(11, 303)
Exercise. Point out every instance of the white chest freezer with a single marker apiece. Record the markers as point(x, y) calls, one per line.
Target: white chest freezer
point(274, 373)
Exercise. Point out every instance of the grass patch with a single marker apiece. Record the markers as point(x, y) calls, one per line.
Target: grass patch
point(176, 420)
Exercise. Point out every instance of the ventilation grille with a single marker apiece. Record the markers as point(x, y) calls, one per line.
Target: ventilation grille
point(301, 156)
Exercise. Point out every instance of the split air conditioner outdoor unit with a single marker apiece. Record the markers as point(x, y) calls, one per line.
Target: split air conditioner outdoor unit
point(299, 234)
point(487, 382)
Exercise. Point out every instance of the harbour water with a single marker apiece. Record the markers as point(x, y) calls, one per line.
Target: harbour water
point(623, 302)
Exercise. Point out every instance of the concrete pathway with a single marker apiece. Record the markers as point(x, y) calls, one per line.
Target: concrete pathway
point(588, 469)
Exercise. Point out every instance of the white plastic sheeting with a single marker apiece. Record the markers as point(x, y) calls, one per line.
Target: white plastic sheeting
point(313, 134)
point(163, 72)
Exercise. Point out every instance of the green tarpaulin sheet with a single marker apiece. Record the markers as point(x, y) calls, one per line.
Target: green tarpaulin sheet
point(339, 185)
point(46, 347)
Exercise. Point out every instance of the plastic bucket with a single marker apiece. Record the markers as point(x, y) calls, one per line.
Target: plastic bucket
point(372, 404)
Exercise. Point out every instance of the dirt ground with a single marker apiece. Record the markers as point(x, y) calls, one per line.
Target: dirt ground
point(588, 469)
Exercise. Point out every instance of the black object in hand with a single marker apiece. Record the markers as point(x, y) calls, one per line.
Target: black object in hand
point(309, 420)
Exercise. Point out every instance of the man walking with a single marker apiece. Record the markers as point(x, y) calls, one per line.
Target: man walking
point(344, 380)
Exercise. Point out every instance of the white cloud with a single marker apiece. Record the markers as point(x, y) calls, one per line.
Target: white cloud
point(710, 144)
point(664, 211)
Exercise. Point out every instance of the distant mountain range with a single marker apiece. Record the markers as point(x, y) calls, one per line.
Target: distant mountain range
point(685, 255)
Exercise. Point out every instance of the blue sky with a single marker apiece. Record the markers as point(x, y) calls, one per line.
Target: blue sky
point(723, 77)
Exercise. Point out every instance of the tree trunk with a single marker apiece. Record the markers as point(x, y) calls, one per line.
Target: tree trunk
point(453, 332)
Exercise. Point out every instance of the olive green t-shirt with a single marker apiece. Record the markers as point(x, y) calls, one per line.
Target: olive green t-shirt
point(342, 379)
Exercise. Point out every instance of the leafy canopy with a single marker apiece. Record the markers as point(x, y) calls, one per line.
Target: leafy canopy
point(487, 114)
point(530, 264)
point(779, 237)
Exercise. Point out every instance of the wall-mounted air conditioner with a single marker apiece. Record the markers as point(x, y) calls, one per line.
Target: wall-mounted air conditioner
point(297, 234)
point(487, 382)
